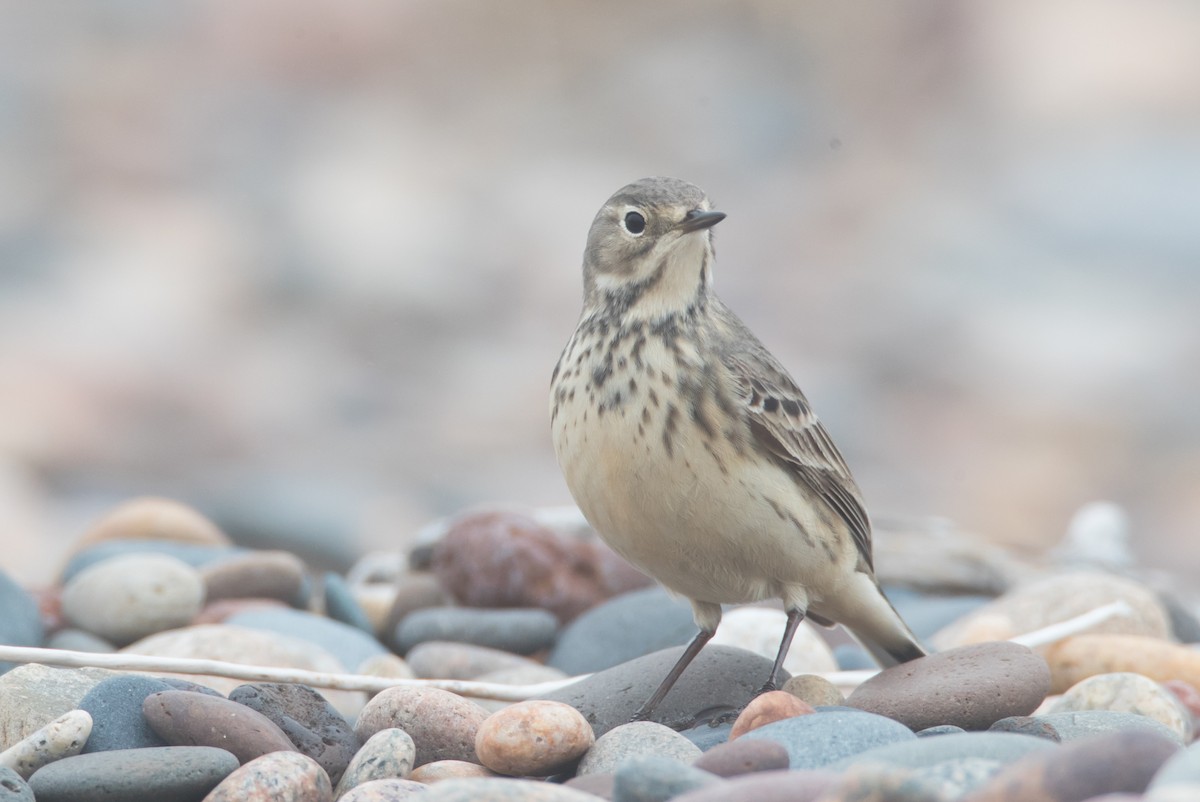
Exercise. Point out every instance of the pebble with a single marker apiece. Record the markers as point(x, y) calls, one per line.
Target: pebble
point(1057, 598)
point(657, 779)
point(115, 706)
point(184, 718)
point(154, 518)
point(385, 791)
point(255, 574)
point(342, 605)
point(971, 686)
point(873, 781)
point(386, 665)
point(744, 756)
point(1037, 726)
point(600, 785)
point(768, 786)
point(313, 726)
point(275, 777)
point(450, 660)
point(1001, 747)
point(506, 559)
point(440, 770)
point(709, 734)
point(33, 695)
point(502, 790)
point(622, 628)
point(636, 739)
point(388, 754)
point(1128, 693)
point(533, 739)
point(442, 725)
point(126, 598)
point(817, 740)
point(194, 555)
point(521, 631)
point(349, 644)
point(720, 680)
point(1075, 659)
point(13, 787)
point(413, 592)
point(1081, 724)
point(220, 611)
point(154, 774)
point(817, 691)
point(21, 622)
point(941, 729)
point(758, 630)
point(767, 708)
point(1179, 777)
point(954, 779)
point(1122, 762)
point(76, 640)
point(63, 737)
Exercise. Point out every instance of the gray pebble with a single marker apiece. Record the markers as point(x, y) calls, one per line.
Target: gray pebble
point(349, 644)
point(13, 787)
point(1182, 771)
point(827, 736)
point(388, 754)
point(1002, 747)
point(954, 779)
point(77, 640)
point(340, 604)
point(192, 554)
point(657, 779)
point(517, 630)
point(33, 695)
point(156, 774)
point(21, 623)
point(115, 706)
point(126, 598)
point(941, 729)
point(636, 739)
point(620, 629)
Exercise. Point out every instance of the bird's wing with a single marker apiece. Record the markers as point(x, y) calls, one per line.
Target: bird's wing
point(783, 423)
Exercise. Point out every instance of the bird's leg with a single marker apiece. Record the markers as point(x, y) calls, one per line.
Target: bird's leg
point(689, 654)
point(794, 617)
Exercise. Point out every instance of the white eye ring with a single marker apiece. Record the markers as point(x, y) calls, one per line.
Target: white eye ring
point(634, 222)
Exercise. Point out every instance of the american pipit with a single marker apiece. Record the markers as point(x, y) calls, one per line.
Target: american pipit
point(690, 449)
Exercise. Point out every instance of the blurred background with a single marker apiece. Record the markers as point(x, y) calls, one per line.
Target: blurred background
point(309, 265)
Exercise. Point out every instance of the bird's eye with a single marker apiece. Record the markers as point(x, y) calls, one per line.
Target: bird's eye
point(634, 223)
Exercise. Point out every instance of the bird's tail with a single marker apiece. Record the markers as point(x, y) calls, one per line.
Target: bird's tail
point(874, 623)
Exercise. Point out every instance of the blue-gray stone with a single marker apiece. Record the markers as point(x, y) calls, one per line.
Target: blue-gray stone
point(78, 640)
point(1073, 726)
point(349, 644)
point(156, 774)
point(116, 708)
point(828, 736)
point(622, 628)
point(20, 619)
point(955, 778)
point(1002, 747)
point(340, 604)
point(13, 788)
point(657, 779)
point(519, 630)
point(193, 554)
point(707, 735)
point(941, 729)
point(1183, 768)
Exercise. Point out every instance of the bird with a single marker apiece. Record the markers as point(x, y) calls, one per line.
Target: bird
point(690, 449)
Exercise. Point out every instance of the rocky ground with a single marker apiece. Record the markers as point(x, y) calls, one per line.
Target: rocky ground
point(507, 599)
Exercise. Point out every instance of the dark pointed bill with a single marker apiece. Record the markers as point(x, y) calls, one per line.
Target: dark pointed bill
point(696, 220)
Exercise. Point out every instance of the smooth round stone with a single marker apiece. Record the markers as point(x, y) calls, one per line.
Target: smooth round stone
point(767, 708)
point(194, 555)
point(941, 729)
point(971, 686)
point(129, 597)
point(442, 725)
point(63, 737)
point(623, 628)
point(655, 779)
point(115, 706)
point(1075, 659)
point(720, 680)
point(440, 770)
point(351, 645)
point(388, 754)
point(275, 777)
point(1056, 598)
point(154, 774)
point(1075, 726)
point(1128, 693)
point(1182, 770)
point(310, 723)
point(13, 787)
point(450, 660)
point(505, 559)
point(385, 791)
point(533, 739)
point(708, 735)
point(153, 518)
point(21, 623)
point(386, 665)
point(744, 756)
point(341, 604)
point(76, 640)
point(374, 601)
point(759, 630)
point(600, 785)
point(33, 695)
point(769, 786)
point(817, 691)
point(1002, 747)
point(502, 790)
point(521, 631)
point(1036, 726)
point(636, 739)
point(221, 610)
point(1122, 762)
point(954, 779)
point(183, 718)
point(817, 740)
point(256, 575)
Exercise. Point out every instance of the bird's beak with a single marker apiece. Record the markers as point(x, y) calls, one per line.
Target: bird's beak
point(696, 220)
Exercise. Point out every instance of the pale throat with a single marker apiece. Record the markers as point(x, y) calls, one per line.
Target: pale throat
point(686, 274)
